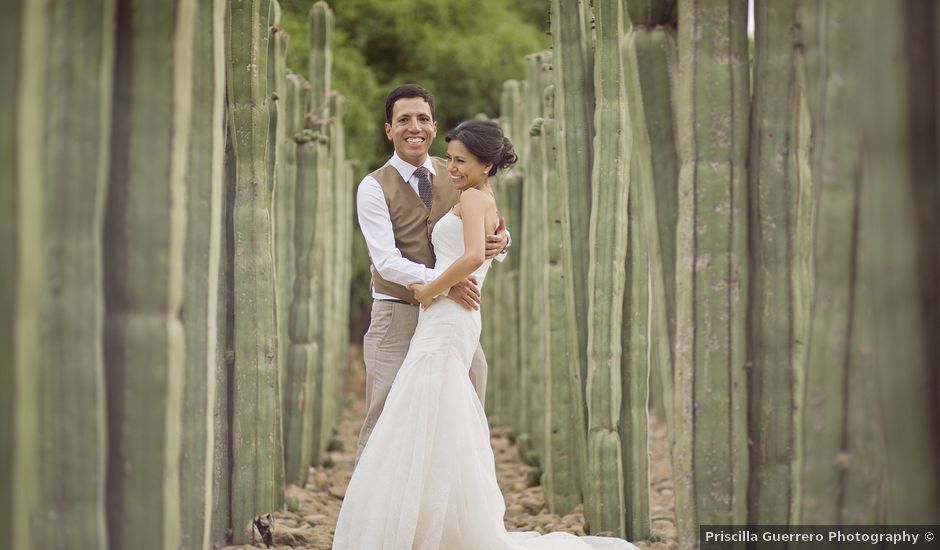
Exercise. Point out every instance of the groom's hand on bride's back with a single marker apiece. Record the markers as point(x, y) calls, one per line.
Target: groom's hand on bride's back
point(496, 244)
point(466, 293)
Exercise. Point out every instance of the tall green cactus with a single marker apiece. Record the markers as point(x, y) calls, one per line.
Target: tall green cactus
point(510, 202)
point(200, 307)
point(296, 96)
point(220, 530)
point(649, 62)
point(320, 20)
point(318, 177)
point(604, 506)
point(832, 398)
point(574, 106)
point(777, 318)
point(564, 423)
point(347, 216)
point(277, 54)
point(711, 448)
point(899, 253)
point(255, 430)
point(75, 154)
point(635, 368)
point(342, 242)
point(500, 303)
point(512, 351)
point(875, 247)
point(300, 401)
point(321, 57)
point(327, 213)
point(25, 28)
point(533, 329)
point(145, 226)
point(650, 59)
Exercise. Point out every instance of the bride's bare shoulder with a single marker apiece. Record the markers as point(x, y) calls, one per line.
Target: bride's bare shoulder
point(477, 197)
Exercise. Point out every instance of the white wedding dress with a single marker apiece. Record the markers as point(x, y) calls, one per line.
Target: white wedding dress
point(426, 480)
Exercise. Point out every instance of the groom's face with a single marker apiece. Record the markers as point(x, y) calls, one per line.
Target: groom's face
point(412, 129)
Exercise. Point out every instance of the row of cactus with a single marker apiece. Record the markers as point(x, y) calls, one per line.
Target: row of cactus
point(316, 240)
point(156, 156)
point(749, 277)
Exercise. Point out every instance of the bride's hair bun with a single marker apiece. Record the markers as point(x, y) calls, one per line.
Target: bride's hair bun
point(486, 141)
point(507, 155)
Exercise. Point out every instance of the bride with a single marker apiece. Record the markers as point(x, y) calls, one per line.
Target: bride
point(426, 479)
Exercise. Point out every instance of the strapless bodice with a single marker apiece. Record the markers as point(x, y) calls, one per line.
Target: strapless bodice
point(447, 239)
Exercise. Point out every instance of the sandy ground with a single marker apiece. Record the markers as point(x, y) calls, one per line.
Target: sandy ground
point(309, 521)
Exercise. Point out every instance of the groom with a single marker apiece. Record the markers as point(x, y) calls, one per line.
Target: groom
point(398, 205)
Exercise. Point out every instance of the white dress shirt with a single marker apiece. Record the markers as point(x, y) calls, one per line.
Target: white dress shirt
point(376, 225)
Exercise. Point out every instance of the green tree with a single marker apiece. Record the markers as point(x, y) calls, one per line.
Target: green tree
point(461, 50)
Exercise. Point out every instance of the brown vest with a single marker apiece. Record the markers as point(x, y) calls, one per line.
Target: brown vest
point(412, 222)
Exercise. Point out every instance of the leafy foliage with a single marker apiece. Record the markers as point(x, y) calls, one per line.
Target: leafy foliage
point(461, 50)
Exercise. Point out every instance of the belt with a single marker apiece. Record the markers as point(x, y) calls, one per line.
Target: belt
point(394, 301)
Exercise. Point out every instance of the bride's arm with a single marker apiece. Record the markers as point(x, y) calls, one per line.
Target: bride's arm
point(473, 208)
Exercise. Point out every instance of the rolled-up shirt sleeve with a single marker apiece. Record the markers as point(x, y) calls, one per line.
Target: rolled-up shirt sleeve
point(376, 225)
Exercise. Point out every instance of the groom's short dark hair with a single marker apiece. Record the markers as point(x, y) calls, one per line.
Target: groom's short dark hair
point(406, 91)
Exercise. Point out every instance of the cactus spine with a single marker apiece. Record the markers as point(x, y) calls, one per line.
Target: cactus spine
point(711, 270)
point(145, 228)
point(255, 430)
point(203, 237)
point(604, 506)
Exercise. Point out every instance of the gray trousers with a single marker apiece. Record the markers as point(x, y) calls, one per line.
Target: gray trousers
point(384, 349)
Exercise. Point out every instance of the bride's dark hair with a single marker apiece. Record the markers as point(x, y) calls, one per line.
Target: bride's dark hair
point(486, 141)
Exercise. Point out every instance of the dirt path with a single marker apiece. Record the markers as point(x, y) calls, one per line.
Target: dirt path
point(308, 522)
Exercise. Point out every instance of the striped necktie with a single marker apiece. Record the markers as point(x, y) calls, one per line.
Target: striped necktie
point(424, 185)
